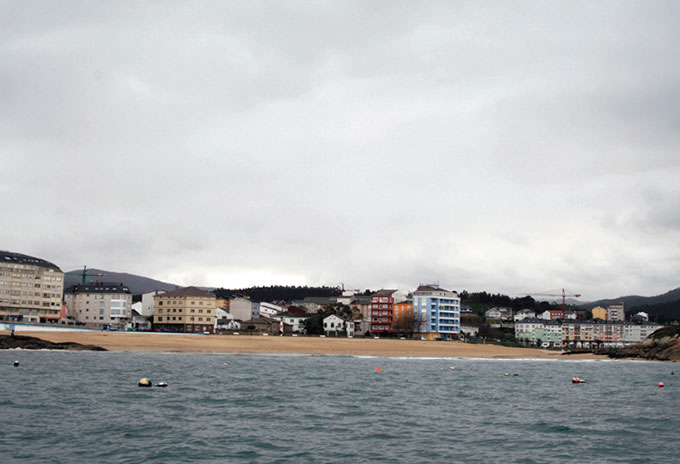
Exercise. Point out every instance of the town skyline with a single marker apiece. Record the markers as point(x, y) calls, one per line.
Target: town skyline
point(482, 146)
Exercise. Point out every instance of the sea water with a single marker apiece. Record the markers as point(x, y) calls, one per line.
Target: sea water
point(86, 407)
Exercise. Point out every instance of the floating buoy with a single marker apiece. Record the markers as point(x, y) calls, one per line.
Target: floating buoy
point(377, 369)
point(226, 364)
point(506, 374)
point(144, 382)
point(162, 384)
point(672, 372)
point(515, 375)
point(16, 363)
point(661, 384)
point(452, 368)
point(577, 380)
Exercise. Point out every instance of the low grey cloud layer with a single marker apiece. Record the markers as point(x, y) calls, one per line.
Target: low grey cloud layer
point(509, 147)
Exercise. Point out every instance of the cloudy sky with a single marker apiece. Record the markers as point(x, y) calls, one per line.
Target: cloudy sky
point(505, 146)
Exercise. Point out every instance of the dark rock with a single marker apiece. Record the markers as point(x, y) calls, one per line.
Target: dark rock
point(32, 343)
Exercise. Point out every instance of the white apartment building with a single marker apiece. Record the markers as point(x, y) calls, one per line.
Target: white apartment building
point(100, 304)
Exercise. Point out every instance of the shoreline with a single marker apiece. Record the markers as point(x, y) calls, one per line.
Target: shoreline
point(258, 344)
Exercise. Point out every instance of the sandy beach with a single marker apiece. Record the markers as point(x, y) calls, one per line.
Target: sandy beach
point(164, 342)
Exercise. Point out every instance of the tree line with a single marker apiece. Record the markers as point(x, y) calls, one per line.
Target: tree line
point(278, 292)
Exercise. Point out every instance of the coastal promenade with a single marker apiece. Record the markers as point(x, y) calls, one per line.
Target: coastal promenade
point(167, 342)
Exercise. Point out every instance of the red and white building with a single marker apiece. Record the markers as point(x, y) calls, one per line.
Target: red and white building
point(382, 310)
point(552, 314)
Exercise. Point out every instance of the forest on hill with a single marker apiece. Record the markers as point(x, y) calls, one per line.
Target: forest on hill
point(278, 292)
point(659, 312)
point(480, 301)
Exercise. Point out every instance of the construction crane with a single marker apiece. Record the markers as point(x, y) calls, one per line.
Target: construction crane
point(342, 287)
point(564, 294)
point(84, 274)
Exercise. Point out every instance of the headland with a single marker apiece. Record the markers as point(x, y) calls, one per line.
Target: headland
point(24, 342)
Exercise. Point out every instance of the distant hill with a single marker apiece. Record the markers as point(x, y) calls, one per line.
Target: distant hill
point(136, 284)
point(660, 312)
point(636, 300)
point(661, 308)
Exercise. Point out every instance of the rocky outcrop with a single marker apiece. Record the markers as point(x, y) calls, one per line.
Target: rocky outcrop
point(32, 343)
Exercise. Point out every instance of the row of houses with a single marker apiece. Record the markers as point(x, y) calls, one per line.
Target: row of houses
point(614, 312)
point(583, 333)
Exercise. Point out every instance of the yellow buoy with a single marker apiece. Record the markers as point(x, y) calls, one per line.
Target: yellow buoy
point(144, 382)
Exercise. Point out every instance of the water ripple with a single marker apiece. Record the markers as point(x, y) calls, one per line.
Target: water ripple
point(86, 407)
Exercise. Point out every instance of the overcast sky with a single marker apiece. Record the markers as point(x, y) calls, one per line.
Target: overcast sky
point(503, 146)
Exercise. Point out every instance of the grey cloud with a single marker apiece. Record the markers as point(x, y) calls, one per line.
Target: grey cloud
point(499, 147)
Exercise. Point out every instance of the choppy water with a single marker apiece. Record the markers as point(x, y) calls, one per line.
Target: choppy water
point(86, 407)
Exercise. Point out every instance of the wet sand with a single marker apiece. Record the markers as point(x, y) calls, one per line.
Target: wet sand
point(164, 342)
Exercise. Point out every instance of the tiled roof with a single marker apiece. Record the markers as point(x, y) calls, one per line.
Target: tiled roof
point(384, 293)
point(428, 288)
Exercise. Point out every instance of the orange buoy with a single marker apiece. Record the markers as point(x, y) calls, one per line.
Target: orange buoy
point(452, 368)
point(661, 384)
point(575, 380)
point(377, 369)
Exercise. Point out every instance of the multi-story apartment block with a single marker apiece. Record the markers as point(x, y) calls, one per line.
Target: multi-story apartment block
point(100, 304)
point(382, 310)
point(585, 333)
point(31, 289)
point(403, 319)
point(615, 312)
point(578, 331)
point(438, 311)
point(606, 333)
point(550, 335)
point(187, 309)
point(539, 332)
